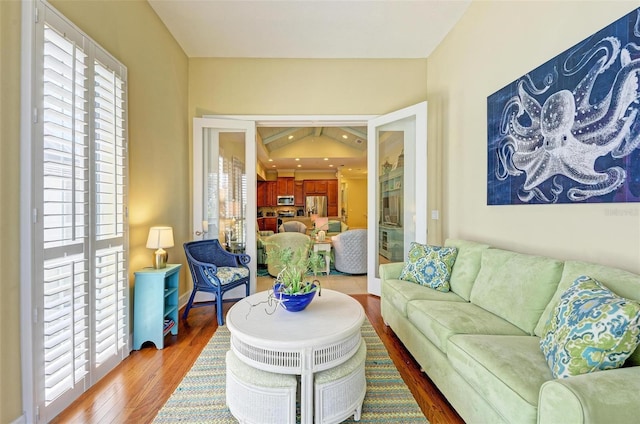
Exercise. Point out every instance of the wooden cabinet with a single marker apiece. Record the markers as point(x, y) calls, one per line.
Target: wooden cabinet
point(316, 187)
point(327, 188)
point(298, 193)
point(285, 186)
point(261, 194)
point(270, 224)
point(272, 193)
point(332, 192)
point(155, 305)
point(266, 193)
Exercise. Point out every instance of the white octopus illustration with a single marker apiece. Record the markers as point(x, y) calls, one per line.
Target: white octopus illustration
point(566, 134)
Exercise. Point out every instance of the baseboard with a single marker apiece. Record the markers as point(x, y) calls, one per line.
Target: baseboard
point(20, 420)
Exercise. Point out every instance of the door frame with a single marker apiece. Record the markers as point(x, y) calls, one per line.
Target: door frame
point(419, 110)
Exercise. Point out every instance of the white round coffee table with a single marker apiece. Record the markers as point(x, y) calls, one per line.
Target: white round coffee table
point(322, 336)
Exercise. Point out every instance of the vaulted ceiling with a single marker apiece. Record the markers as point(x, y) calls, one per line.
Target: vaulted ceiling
point(314, 148)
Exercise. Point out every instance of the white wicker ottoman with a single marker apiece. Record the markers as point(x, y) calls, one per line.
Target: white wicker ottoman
point(339, 391)
point(259, 397)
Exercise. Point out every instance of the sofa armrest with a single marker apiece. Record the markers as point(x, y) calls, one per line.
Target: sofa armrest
point(604, 396)
point(391, 271)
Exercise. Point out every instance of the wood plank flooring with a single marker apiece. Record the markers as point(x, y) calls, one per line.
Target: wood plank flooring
point(136, 390)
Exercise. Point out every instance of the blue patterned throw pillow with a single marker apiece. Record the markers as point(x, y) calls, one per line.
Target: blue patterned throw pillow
point(429, 265)
point(591, 329)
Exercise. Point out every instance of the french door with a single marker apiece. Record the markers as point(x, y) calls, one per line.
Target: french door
point(397, 209)
point(397, 187)
point(224, 187)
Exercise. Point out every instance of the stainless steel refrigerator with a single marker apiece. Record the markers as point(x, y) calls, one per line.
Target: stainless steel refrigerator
point(316, 205)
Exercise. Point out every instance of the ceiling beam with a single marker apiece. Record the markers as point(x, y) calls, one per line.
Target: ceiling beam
point(355, 132)
point(279, 135)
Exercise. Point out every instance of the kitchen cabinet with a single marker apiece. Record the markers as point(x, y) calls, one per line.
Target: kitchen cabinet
point(261, 194)
point(266, 193)
point(316, 187)
point(269, 224)
point(285, 186)
point(298, 193)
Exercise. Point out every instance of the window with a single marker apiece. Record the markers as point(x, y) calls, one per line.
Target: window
point(78, 161)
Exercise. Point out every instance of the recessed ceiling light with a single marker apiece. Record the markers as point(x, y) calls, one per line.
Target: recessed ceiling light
point(331, 166)
point(270, 160)
point(299, 166)
point(297, 159)
point(326, 158)
point(345, 136)
point(290, 137)
point(350, 169)
point(273, 166)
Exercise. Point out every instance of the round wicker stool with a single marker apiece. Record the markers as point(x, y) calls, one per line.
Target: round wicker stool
point(339, 391)
point(259, 397)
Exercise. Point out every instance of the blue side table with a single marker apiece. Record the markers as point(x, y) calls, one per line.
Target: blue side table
point(155, 305)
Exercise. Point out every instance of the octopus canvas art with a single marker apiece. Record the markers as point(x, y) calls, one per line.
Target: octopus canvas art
point(569, 131)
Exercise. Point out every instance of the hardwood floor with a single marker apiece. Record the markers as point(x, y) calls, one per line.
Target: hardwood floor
point(136, 390)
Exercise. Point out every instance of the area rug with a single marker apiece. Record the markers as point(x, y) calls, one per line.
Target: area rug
point(200, 397)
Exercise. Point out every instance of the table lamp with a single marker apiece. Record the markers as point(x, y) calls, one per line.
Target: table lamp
point(159, 238)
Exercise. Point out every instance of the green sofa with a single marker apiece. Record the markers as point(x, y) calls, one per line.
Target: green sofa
point(480, 341)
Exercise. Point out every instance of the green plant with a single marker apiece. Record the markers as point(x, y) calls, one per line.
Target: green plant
point(296, 265)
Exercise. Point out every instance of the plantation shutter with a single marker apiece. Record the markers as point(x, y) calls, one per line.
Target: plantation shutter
point(110, 264)
point(80, 222)
point(65, 210)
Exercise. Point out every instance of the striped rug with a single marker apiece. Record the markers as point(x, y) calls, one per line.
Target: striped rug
point(200, 397)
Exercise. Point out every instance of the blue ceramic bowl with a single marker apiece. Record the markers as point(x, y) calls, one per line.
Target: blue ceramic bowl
point(294, 302)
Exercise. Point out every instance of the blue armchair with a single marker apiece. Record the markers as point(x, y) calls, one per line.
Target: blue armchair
point(214, 270)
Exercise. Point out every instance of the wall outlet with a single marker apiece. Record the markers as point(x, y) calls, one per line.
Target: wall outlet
point(435, 214)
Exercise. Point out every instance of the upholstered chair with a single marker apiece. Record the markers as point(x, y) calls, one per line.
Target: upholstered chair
point(293, 240)
point(293, 226)
point(350, 251)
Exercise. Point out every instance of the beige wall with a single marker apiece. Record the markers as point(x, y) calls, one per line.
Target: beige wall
point(158, 146)
point(10, 384)
point(495, 43)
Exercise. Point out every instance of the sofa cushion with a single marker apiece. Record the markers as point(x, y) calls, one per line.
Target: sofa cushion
point(429, 265)
point(591, 329)
point(467, 265)
point(507, 371)
point(515, 286)
point(622, 283)
point(439, 320)
point(399, 293)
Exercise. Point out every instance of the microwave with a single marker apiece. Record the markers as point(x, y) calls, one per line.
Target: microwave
point(285, 201)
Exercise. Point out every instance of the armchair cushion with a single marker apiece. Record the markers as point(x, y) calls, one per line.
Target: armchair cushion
point(228, 274)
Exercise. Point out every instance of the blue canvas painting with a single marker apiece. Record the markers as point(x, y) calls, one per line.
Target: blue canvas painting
point(569, 131)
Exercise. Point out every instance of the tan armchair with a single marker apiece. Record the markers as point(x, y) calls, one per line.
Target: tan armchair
point(293, 240)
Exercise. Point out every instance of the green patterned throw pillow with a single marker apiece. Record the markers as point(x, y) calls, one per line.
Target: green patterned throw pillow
point(429, 266)
point(591, 329)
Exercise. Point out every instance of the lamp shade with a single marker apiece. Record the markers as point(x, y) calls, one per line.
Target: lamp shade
point(160, 237)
